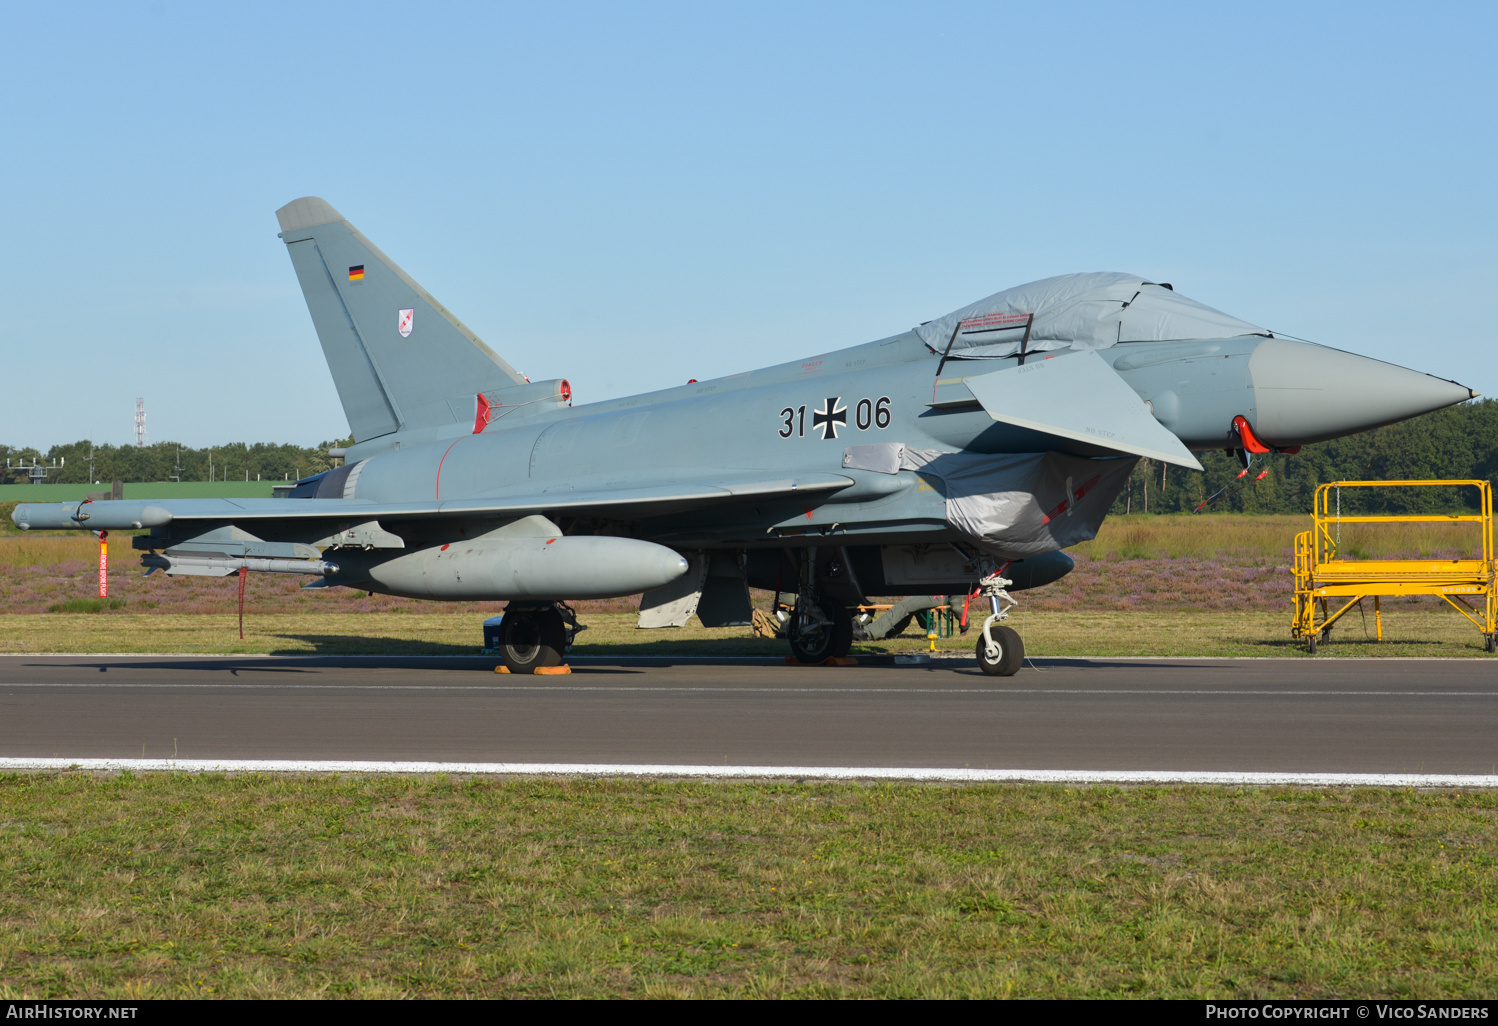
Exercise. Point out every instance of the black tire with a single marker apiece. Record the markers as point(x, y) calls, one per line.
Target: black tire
point(1491, 643)
point(842, 633)
point(1011, 652)
point(529, 638)
point(829, 640)
point(1311, 644)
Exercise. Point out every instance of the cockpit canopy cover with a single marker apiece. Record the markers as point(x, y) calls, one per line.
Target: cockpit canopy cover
point(1077, 311)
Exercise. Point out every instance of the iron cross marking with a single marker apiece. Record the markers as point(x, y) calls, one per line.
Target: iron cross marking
point(829, 417)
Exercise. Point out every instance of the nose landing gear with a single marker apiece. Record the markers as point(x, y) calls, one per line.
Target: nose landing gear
point(1001, 651)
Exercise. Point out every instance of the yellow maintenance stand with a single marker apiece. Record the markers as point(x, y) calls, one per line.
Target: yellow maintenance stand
point(1322, 578)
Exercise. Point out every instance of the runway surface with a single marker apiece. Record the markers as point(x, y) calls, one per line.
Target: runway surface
point(1275, 716)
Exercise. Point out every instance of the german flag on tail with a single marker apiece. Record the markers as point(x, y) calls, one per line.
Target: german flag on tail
point(356, 273)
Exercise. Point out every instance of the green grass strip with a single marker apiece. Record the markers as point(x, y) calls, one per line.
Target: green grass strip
point(175, 885)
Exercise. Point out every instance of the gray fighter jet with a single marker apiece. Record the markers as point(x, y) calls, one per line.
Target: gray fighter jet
point(959, 457)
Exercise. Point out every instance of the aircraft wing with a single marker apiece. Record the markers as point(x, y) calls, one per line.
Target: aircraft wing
point(579, 500)
point(1078, 396)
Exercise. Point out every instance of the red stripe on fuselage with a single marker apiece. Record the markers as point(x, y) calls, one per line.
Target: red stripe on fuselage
point(439, 467)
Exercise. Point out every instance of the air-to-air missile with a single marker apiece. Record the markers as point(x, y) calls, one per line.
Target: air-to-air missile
point(960, 457)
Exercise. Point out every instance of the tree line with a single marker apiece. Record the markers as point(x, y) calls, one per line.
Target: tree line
point(1454, 443)
point(165, 461)
point(1460, 442)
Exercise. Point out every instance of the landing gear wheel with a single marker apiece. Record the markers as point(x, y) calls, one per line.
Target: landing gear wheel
point(842, 634)
point(1011, 652)
point(529, 638)
point(827, 637)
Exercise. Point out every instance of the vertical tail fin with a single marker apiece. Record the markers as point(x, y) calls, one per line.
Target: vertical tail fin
point(399, 359)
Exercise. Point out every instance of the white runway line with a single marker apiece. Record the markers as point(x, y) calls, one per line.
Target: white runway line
point(582, 769)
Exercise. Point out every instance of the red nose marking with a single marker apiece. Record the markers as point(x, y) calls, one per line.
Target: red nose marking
point(550, 540)
point(1246, 435)
point(444, 548)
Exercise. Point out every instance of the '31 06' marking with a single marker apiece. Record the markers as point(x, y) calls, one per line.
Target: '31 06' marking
point(867, 413)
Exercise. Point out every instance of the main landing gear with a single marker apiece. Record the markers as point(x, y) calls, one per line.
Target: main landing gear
point(533, 636)
point(820, 626)
point(819, 629)
point(821, 622)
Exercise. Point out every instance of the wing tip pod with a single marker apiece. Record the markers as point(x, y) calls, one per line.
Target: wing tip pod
point(89, 516)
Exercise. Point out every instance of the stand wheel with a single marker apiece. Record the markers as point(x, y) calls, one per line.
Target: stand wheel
point(1311, 643)
point(828, 638)
point(1491, 643)
point(1011, 652)
point(529, 638)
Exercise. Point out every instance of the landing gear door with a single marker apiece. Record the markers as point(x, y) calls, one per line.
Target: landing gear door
point(675, 604)
point(725, 594)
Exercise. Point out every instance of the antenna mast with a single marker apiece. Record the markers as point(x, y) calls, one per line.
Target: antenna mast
point(140, 423)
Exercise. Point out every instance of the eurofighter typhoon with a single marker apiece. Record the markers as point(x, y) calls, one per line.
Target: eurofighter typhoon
point(959, 457)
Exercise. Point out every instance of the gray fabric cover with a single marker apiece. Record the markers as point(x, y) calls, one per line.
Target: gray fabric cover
point(1017, 506)
point(1078, 311)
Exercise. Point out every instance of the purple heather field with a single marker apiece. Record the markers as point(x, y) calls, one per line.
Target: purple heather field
point(1184, 583)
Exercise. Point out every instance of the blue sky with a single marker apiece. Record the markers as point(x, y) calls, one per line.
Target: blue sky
point(630, 195)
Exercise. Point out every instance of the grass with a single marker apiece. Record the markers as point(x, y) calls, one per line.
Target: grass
point(1413, 632)
point(29, 549)
point(1182, 535)
point(86, 605)
point(174, 886)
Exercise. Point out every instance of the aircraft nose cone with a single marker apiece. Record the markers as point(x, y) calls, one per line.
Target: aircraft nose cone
point(1308, 393)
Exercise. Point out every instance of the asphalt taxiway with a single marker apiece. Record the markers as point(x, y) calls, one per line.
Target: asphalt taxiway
point(1261, 715)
